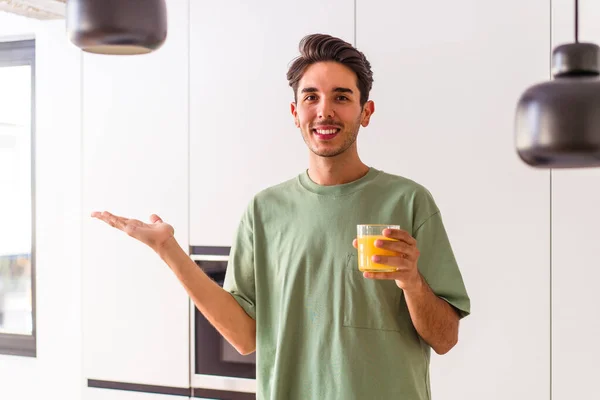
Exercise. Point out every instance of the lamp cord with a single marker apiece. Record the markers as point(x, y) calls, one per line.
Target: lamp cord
point(576, 21)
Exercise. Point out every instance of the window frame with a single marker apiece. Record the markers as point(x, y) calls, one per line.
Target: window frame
point(16, 53)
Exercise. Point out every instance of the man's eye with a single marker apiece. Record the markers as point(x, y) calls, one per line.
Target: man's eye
point(311, 97)
point(343, 98)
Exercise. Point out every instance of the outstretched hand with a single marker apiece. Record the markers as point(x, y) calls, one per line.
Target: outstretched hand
point(155, 234)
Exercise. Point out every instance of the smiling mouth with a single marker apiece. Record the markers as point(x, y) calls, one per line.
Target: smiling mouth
point(326, 134)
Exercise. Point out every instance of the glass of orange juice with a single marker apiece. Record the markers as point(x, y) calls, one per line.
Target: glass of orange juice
point(367, 234)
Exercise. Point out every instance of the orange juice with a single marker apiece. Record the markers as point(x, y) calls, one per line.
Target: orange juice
point(367, 249)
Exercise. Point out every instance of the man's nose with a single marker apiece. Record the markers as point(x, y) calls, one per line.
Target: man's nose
point(326, 110)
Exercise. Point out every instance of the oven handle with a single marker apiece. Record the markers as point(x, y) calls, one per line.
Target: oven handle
point(208, 257)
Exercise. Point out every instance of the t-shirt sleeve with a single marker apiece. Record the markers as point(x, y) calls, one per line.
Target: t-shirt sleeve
point(239, 276)
point(438, 265)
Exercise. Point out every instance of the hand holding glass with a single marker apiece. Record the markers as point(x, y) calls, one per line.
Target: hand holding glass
point(367, 234)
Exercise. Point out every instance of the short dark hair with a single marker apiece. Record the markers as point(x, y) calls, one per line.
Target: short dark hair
point(321, 47)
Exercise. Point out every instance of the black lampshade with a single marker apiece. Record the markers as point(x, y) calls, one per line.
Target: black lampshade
point(558, 122)
point(119, 27)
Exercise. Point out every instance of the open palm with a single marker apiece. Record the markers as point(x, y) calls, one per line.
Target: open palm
point(155, 234)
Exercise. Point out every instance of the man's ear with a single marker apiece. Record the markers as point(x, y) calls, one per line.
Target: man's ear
point(294, 111)
point(368, 110)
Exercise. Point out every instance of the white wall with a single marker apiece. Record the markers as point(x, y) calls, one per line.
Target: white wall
point(57, 369)
point(445, 90)
point(15, 27)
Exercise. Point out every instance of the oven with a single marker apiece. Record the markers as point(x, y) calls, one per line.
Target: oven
point(215, 364)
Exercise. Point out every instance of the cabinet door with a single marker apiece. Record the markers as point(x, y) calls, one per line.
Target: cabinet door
point(243, 137)
point(575, 239)
point(447, 79)
point(135, 163)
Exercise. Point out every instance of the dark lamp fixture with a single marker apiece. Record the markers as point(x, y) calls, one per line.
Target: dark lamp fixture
point(557, 123)
point(118, 27)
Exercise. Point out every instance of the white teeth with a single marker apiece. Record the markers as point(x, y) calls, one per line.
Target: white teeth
point(326, 131)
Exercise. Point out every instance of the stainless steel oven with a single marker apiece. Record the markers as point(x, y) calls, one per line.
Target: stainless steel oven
point(215, 364)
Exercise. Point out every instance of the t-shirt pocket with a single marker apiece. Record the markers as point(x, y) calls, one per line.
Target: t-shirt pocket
point(369, 303)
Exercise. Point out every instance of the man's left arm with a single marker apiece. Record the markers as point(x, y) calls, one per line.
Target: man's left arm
point(435, 320)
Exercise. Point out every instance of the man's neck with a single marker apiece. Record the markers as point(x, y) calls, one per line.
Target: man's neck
point(331, 171)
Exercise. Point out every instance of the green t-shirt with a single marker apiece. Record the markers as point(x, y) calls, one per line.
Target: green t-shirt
point(323, 330)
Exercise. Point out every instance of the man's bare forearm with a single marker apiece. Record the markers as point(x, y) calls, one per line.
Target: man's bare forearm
point(216, 304)
point(434, 319)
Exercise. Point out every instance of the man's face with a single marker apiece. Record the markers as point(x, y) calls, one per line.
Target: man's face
point(328, 110)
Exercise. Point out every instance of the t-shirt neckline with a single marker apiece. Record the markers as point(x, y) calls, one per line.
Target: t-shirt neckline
point(337, 190)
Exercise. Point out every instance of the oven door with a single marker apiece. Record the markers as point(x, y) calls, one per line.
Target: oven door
point(215, 364)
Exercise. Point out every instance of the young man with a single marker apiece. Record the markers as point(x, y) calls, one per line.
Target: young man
point(293, 292)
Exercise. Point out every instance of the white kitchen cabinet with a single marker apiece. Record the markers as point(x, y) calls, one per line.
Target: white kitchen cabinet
point(575, 239)
point(135, 163)
point(110, 394)
point(575, 273)
point(242, 134)
point(447, 79)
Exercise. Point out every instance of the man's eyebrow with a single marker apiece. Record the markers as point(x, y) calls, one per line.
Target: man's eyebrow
point(337, 89)
point(343, 90)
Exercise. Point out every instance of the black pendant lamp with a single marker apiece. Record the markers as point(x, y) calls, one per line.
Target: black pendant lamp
point(119, 27)
point(558, 122)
